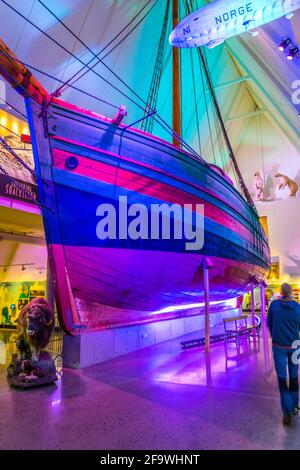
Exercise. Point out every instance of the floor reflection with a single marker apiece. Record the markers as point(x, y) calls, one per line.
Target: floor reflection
point(226, 363)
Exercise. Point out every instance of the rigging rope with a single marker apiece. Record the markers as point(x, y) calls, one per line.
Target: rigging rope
point(222, 124)
point(188, 9)
point(15, 109)
point(12, 132)
point(150, 110)
point(207, 110)
point(156, 117)
point(59, 90)
point(147, 124)
point(65, 49)
point(230, 160)
point(218, 133)
point(54, 78)
point(41, 106)
point(195, 100)
point(230, 150)
point(222, 145)
point(46, 74)
point(82, 42)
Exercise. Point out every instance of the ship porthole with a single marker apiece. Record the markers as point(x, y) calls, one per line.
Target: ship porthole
point(72, 163)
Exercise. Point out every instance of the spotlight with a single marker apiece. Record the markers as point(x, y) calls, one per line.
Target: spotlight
point(293, 53)
point(289, 16)
point(284, 44)
point(5, 269)
point(23, 267)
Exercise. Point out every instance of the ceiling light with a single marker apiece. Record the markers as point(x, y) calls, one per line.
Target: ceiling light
point(284, 44)
point(293, 52)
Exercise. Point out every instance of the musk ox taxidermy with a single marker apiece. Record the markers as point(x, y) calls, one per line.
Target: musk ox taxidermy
point(35, 325)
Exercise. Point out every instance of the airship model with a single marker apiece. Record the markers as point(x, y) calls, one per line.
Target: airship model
point(212, 24)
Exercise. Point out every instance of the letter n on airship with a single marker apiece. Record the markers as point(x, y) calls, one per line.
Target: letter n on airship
point(186, 30)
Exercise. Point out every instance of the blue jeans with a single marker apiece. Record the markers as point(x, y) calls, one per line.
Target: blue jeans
point(289, 394)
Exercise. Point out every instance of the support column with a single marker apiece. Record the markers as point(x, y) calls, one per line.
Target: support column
point(49, 287)
point(252, 307)
point(206, 267)
point(263, 302)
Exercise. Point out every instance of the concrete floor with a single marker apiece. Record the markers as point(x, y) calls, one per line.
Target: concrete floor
point(158, 398)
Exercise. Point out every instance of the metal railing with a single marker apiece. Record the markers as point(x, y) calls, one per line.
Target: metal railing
point(55, 345)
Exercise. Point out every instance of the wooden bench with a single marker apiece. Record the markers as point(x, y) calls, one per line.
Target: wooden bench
point(237, 327)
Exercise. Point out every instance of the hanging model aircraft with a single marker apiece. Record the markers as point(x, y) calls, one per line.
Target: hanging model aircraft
point(213, 24)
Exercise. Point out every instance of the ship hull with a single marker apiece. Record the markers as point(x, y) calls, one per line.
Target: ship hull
point(113, 282)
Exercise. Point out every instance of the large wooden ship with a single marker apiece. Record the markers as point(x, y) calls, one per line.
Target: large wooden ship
point(82, 160)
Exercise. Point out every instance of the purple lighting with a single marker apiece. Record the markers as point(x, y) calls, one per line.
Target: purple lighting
point(176, 308)
point(284, 44)
point(294, 52)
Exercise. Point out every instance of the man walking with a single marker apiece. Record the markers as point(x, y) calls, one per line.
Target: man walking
point(284, 326)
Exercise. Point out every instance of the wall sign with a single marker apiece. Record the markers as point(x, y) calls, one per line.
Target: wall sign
point(16, 189)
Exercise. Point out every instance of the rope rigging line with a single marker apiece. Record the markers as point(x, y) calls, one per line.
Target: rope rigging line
point(222, 145)
point(219, 136)
point(156, 117)
point(15, 109)
point(243, 186)
point(147, 125)
point(226, 138)
point(41, 106)
point(46, 74)
point(207, 109)
point(230, 160)
point(82, 42)
point(217, 120)
point(195, 101)
point(66, 50)
point(12, 132)
point(149, 110)
point(60, 90)
point(54, 78)
point(188, 9)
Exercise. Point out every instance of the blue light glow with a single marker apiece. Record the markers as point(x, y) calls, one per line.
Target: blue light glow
point(178, 308)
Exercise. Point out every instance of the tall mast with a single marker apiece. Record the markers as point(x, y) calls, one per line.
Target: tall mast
point(176, 80)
